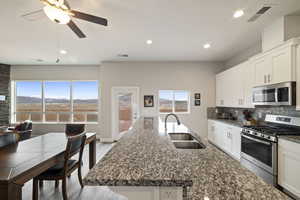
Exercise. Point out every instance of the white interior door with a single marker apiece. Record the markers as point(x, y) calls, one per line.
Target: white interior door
point(125, 109)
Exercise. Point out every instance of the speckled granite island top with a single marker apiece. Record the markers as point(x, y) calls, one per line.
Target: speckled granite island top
point(145, 156)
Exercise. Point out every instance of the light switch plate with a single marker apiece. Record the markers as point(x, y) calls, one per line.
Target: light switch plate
point(2, 98)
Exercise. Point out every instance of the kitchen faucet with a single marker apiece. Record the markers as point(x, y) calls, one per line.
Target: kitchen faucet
point(166, 118)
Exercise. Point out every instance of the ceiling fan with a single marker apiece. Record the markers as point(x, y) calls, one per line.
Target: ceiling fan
point(59, 11)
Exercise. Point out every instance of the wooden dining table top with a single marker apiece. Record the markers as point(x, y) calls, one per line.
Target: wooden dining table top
point(18, 159)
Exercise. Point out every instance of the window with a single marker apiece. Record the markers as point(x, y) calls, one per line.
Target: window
point(29, 104)
point(56, 101)
point(174, 101)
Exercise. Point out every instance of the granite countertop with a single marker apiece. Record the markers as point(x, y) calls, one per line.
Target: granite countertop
point(228, 121)
point(145, 156)
point(292, 138)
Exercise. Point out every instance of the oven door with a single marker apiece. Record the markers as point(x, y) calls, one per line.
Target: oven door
point(261, 152)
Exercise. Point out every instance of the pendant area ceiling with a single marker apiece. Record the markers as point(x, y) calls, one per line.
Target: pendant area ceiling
point(178, 29)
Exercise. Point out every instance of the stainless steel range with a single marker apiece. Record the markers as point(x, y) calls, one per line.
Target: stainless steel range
point(259, 145)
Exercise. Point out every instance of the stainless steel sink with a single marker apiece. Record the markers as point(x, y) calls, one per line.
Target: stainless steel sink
point(181, 136)
point(188, 145)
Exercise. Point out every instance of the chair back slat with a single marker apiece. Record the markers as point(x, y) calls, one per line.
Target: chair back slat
point(75, 145)
point(74, 129)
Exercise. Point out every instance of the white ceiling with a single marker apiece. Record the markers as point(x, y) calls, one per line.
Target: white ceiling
point(178, 28)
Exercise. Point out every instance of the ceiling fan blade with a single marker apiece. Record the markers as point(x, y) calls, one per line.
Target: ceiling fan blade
point(66, 3)
point(34, 15)
point(90, 18)
point(76, 29)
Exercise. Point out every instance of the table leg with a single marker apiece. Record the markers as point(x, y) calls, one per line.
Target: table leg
point(10, 191)
point(92, 154)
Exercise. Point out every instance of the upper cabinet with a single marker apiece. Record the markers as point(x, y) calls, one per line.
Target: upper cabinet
point(277, 65)
point(234, 86)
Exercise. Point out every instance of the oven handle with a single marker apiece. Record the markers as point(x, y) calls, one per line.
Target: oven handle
point(256, 140)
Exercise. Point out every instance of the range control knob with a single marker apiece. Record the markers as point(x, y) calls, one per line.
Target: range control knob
point(255, 133)
point(268, 137)
point(262, 135)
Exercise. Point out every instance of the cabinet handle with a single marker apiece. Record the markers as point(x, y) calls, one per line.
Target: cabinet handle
point(269, 78)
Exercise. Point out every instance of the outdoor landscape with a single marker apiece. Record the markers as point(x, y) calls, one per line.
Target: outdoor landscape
point(56, 109)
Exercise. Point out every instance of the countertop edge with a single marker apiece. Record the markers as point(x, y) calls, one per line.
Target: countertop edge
point(295, 139)
point(229, 122)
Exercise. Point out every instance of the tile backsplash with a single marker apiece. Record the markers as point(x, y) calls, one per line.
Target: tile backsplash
point(258, 113)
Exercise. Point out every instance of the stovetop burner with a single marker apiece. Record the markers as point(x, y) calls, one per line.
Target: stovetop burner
point(275, 130)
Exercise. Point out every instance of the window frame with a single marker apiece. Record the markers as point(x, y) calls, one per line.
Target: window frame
point(13, 118)
point(173, 102)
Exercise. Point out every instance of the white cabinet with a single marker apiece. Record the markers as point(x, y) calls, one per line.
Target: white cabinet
point(289, 166)
point(282, 67)
point(234, 86)
point(248, 79)
point(277, 65)
point(263, 70)
point(226, 137)
point(235, 134)
point(211, 130)
point(220, 92)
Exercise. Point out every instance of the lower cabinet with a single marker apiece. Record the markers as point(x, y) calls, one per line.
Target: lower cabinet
point(289, 166)
point(226, 137)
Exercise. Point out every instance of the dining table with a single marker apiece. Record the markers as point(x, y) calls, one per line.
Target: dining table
point(24, 160)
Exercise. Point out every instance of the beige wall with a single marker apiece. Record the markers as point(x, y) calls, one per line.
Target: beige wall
point(196, 77)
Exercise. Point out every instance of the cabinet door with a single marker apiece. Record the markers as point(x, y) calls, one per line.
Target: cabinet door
point(227, 140)
point(248, 79)
point(237, 86)
point(219, 91)
point(289, 166)
point(263, 70)
point(220, 134)
point(236, 142)
point(282, 65)
point(211, 131)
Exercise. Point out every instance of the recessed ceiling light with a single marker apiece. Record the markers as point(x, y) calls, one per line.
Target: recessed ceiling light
point(206, 46)
point(39, 60)
point(238, 13)
point(149, 41)
point(63, 51)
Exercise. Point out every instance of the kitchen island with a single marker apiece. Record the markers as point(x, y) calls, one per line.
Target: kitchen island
point(146, 156)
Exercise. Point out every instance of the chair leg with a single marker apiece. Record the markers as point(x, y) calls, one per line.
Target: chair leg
point(80, 177)
point(41, 183)
point(35, 189)
point(64, 189)
point(56, 183)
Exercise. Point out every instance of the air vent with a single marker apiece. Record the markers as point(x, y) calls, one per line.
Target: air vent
point(123, 55)
point(259, 13)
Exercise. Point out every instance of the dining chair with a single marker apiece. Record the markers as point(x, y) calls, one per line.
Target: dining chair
point(74, 129)
point(65, 167)
point(7, 139)
point(23, 130)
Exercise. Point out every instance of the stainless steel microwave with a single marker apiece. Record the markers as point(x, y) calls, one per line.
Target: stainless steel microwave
point(275, 95)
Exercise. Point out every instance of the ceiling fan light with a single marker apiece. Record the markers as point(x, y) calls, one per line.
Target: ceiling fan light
point(57, 15)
